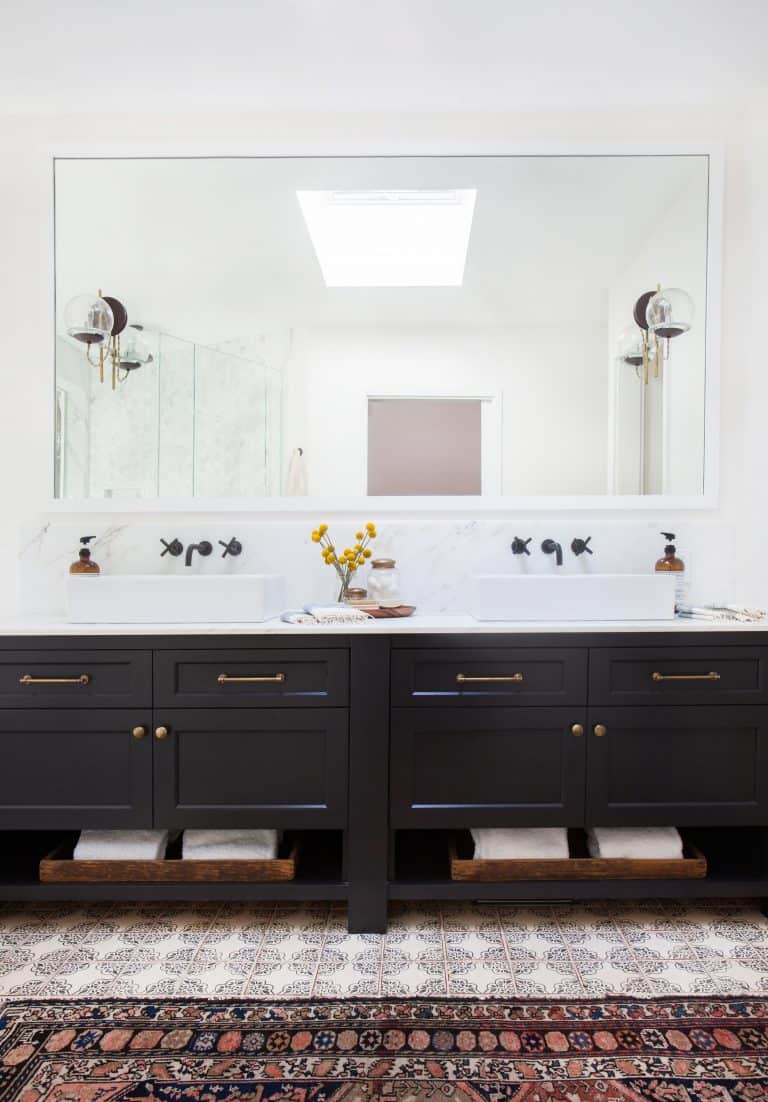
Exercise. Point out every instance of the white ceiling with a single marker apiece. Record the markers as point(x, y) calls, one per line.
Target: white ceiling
point(346, 55)
point(212, 249)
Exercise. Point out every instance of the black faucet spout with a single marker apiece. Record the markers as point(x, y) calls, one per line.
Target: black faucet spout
point(203, 548)
point(551, 547)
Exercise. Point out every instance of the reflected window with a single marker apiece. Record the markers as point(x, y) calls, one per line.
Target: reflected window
point(424, 446)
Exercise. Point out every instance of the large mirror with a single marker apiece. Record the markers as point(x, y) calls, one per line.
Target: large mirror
point(256, 327)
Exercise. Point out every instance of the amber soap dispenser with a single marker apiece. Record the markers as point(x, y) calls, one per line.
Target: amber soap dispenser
point(670, 563)
point(85, 564)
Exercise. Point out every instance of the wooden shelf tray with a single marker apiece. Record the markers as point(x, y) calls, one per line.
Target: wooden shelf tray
point(59, 867)
point(580, 866)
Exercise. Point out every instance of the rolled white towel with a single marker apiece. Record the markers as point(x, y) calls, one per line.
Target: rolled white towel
point(223, 845)
point(635, 842)
point(516, 843)
point(121, 845)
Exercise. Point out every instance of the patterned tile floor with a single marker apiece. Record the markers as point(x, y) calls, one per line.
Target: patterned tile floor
point(579, 949)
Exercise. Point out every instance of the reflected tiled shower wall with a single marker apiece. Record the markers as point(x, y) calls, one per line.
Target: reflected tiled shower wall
point(193, 422)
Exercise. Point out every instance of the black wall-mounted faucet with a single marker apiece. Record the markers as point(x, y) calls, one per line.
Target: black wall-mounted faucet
point(551, 547)
point(175, 548)
point(579, 546)
point(520, 547)
point(234, 547)
point(203, 548)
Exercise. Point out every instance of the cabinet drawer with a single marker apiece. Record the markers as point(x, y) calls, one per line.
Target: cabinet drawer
point(63, 770)
point(499, 766)
point(75, 678)
point(677, 766)
point(251, 767)
point(252, 678)
point(489, 676)
point(678, 675)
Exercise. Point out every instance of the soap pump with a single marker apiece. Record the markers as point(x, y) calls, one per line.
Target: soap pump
point(670, 563)
point(84, 564)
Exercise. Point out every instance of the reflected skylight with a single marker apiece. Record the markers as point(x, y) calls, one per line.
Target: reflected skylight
point(384, 238)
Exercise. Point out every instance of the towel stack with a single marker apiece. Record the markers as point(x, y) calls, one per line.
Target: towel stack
point(326, 614)
point(722, 614)
point(121, 845)
point(635, 842)
point(230, 845)
point(520, 843)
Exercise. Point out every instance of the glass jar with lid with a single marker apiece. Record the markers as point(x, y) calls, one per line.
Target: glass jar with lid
point(384, 583)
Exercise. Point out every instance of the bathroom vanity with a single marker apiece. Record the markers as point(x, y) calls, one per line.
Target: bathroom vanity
point(376, 742)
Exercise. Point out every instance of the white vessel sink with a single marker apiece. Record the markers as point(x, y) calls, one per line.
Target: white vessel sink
point(174, 599)
point(545, 597)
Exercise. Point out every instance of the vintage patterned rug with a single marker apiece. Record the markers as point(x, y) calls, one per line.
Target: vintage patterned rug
point(412, 1050)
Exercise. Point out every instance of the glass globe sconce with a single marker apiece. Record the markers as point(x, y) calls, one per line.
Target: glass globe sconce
point(97, 322)
point(661, 315)
point(134, 352)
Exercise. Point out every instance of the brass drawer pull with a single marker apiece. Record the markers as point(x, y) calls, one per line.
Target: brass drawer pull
point(275, 679)
point(139, 732)
point(712, 676)
point(28, 679)
point(462, 679)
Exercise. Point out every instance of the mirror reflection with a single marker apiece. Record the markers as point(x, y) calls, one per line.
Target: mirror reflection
point(438, 326)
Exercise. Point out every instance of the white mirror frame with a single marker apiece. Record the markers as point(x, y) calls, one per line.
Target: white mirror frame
point(284, 507)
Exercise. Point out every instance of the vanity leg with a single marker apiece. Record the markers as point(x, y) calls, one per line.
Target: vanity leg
point(367, 840)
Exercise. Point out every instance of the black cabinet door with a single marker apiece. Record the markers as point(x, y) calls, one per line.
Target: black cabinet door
point(677, 766)
point(258, 767)
point(468, 767)
point(63, 770)
point(623, 676)
point(264, 678)
point(493, 676)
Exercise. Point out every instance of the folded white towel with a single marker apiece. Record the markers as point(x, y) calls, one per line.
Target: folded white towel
point(326, 614)
point(516, 843)
point(121, 845)
point(222, 845)
point(725, 614)
point(634, 842)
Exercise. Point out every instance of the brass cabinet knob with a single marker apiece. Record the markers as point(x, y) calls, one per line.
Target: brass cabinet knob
point(600, 730)
point(161, 732)
point(577, 729)
point(139, 732)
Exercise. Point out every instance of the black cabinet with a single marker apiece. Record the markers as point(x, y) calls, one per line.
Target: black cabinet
point(63, 770)
point(467, 767)
point(251, 767)
point(677, 766)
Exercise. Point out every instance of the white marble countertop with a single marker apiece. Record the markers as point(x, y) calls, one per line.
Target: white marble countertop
point(424, 624)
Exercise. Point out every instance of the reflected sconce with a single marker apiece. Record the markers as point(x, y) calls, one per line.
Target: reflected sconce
point(134, 352)
point(97, 322)
point(660, 316)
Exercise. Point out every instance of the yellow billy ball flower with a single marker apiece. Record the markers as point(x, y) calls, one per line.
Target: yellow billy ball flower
point(367, 553)
point(358, 535)
point(315, 537)
point(352, 567)
point(322, 529)
point(371, 528)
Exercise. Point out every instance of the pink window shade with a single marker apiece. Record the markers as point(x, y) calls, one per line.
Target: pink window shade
point(424, 446)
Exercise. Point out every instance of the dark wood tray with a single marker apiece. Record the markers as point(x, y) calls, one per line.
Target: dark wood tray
point(59, 867)
point(398, 612)
point(580, 866)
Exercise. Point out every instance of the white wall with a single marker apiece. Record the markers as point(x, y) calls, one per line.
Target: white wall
point(26, 303)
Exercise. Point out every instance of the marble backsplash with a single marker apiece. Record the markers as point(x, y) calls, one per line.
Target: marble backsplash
point(436, 557)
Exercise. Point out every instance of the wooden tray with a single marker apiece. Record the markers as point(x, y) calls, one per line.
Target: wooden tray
point(400, 611)
point(59, 867)
point(580, 866)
